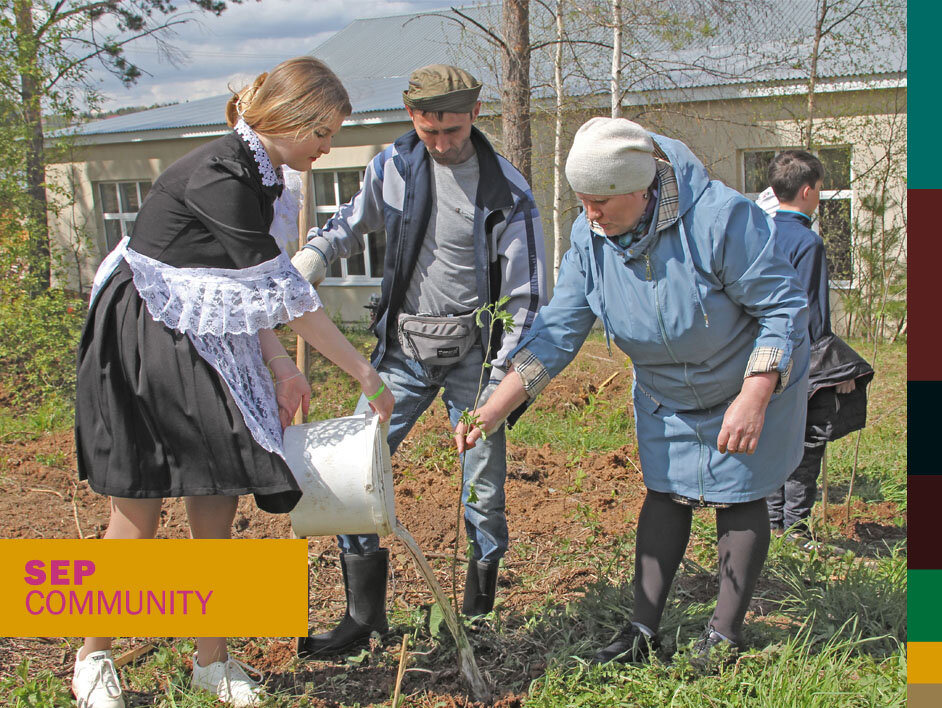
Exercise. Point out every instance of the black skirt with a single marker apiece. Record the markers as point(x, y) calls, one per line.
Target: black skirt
point(154, 419)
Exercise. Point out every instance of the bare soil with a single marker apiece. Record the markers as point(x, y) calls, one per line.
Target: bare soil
point(41, 497)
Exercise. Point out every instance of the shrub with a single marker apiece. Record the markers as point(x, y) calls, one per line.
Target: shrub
point(38, 339)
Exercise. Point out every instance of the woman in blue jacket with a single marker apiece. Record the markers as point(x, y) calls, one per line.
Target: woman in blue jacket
point(684, 275)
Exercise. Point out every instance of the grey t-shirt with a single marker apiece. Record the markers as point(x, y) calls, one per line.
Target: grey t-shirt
point(444, 280)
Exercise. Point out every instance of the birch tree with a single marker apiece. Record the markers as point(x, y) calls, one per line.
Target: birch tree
point(48, 50)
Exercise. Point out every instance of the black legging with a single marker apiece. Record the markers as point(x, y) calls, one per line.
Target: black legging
point(742, 531)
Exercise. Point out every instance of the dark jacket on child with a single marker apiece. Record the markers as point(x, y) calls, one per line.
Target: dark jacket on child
point(830, 415)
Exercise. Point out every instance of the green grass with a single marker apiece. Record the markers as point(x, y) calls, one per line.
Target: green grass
point(793, 673)
point(600, 426)
point(829, 626)
point(53, 414)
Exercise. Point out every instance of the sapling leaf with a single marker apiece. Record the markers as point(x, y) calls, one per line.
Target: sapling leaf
point(435, 619)
point(472, 494)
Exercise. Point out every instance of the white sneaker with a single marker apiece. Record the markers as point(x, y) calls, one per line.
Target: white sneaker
point(228, 680)
point(95, 681)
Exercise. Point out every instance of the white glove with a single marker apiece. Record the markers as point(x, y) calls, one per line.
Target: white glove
point(311, 264)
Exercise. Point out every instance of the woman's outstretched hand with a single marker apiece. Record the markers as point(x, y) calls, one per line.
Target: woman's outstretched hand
point(467, 435)
point(490, 416)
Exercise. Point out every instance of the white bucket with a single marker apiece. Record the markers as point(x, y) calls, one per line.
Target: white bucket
point(342, 467)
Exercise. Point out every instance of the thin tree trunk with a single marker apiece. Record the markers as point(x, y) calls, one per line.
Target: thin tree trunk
point(558, 145)
point(515, 92)
point(303, 351)
point(813, 73)
point(31, 96)
point(616, 58)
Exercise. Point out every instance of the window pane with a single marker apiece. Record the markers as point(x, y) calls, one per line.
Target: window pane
point(349, 185)
point(356, 265)
point(324, 189)
point(112, 232)
point(756, 169)
point(127, 226)
point(109, 198)
point(835, 230)
point(129, 201)
point(377, 245)
point(836, 167)
point(145, 188)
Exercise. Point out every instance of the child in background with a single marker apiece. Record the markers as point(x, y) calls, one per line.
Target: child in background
point(796, 178)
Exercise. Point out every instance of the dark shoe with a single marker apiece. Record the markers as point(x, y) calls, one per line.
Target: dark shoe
point(630, 646)
point(480, 588)
point(364, 580)
point(712, 650)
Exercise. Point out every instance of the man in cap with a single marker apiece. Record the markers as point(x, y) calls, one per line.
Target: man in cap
point(462, 232)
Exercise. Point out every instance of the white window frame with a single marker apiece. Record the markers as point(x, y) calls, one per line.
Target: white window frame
point(826, 195)
point(124, 218)
point(345, 279)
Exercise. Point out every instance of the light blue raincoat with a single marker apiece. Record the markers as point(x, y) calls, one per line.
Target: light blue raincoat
point(689, 303)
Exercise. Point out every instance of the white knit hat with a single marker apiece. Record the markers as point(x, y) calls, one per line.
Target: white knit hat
point(610, 156)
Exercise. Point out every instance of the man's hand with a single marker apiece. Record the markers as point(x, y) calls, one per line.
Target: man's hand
point(846, 386)
point(311, 264)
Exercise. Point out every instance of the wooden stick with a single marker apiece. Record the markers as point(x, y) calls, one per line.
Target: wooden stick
point(134, 654)
point(304, 223)
point(78, 526)
point(47, 491)
point(853, 474)
point(606, 382)
point(403, 656)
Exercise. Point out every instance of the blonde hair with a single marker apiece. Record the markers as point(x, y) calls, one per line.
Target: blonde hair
point(295, 99)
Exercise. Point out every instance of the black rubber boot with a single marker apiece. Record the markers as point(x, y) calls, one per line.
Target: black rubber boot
point(480, 588)
point(364, 580)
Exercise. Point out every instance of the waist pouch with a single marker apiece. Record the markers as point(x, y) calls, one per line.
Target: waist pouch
point(437, 340)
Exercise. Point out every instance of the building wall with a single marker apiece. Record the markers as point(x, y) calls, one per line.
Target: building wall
point(872, 122)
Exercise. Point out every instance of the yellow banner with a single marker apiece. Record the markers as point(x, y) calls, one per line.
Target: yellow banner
point(153, 588)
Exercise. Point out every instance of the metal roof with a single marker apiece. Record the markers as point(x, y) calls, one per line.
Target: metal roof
point(374, 57)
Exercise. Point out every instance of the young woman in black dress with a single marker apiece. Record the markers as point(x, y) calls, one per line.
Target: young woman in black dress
point(173, 395)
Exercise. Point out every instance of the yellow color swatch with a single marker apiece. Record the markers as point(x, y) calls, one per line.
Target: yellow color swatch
point(153, 588)
point(924, 662)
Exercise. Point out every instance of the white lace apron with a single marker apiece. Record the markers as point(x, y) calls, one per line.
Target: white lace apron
point(221, 310)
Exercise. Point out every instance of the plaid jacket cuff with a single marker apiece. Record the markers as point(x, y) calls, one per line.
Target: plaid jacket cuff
point(765, 360)
point(532, 373)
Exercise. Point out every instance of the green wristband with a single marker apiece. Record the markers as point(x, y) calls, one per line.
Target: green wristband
point(379, 391)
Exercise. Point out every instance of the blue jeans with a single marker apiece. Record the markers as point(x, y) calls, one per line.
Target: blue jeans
point(791, 504)
point(415, 388)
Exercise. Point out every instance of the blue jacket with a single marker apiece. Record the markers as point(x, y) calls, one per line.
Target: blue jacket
point(508, 235)
point(804, 249)
point(689, 302)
